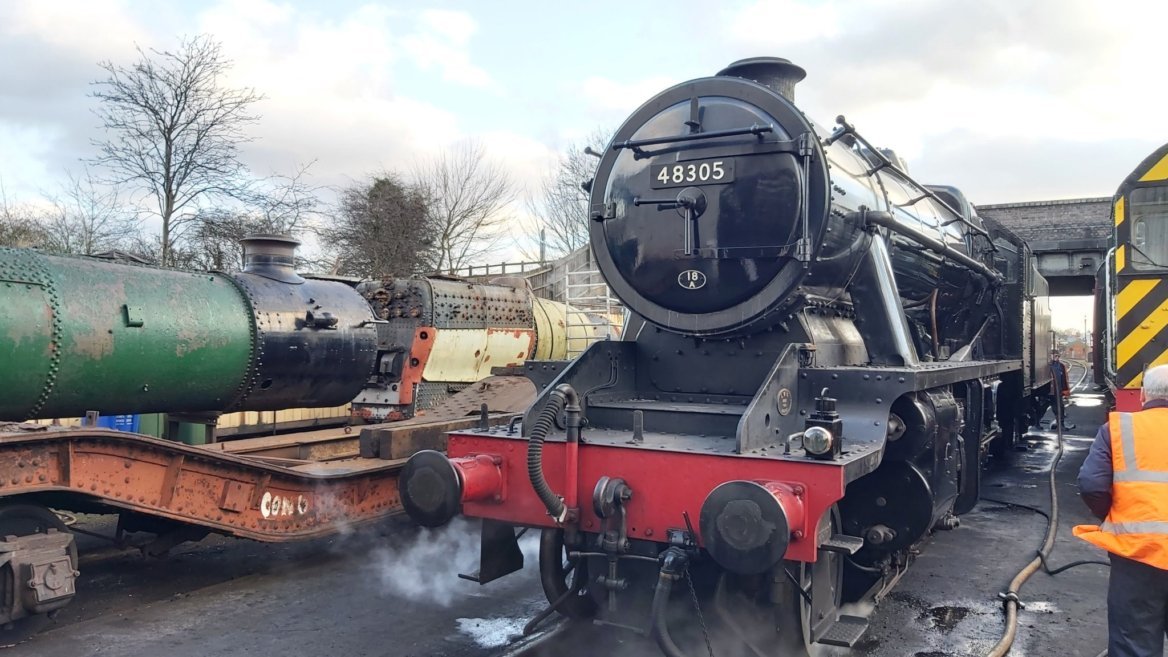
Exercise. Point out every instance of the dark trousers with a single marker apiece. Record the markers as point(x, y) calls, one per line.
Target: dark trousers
point(1137, 609)
point(1053, 403)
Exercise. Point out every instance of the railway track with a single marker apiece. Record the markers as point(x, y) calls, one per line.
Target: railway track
point(1079, 378)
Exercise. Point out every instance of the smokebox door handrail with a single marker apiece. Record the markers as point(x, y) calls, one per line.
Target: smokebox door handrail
point(635, 144)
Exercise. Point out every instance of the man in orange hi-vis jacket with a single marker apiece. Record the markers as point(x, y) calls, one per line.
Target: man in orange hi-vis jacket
point(1124, 480)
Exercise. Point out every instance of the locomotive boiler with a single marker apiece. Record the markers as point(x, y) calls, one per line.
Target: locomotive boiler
point(819, 353)
point(88, 334)
point(438, 335)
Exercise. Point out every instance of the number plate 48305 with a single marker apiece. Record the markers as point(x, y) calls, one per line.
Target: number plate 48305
point(697, 172)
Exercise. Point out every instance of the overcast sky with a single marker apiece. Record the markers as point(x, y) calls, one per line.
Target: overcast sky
point(1011, 100)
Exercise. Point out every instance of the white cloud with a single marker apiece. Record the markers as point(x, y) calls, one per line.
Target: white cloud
point(456, 26)
point(440, 42)
point(97, 28)
point(606, 95)
point(773, 23)
point(1015, 100)
point(1018, 99)
point(330, 85)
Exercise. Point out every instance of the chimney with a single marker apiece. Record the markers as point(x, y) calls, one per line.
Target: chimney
point(271, 256)
point(775, 73)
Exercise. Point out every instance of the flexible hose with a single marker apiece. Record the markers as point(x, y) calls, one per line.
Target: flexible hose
point(673, 563)
point(1011, 595)
point(1046, 566)
point(543, 424)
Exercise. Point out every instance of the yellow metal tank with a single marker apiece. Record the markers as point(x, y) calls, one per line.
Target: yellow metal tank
point(563, 332)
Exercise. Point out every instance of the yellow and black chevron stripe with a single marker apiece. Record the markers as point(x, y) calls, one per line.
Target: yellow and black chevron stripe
point(1141, 307)
point(1141, 328)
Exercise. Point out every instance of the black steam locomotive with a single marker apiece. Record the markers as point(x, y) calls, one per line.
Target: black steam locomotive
point(821, 352)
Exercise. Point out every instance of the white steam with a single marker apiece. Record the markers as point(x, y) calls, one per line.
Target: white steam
point(425, 567)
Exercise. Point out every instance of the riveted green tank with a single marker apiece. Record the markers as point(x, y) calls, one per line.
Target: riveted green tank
point(86, 334)
point(79, 334)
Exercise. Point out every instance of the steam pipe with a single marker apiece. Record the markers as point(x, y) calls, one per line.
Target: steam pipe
point(673, 564)
point(933, 316)
point(886, 220)
point(572, 420)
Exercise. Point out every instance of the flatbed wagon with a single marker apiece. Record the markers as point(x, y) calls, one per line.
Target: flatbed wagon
point(282, 488)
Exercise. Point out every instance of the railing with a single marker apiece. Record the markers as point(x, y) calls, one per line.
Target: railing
point(591, 308)
point(496, 269)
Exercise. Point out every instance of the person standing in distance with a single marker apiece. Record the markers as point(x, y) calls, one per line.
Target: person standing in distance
point(1124, 481)
point(1060, 391)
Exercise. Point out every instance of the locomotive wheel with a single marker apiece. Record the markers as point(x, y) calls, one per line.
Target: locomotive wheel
point(780, 622)
point(559, 575)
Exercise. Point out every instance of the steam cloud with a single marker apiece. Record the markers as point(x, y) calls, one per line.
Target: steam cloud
point(425, 567)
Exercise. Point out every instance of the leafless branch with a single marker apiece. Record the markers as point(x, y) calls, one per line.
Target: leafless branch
point(88, 218)
point(173, 131)
point(467, 195)
point(561, 204)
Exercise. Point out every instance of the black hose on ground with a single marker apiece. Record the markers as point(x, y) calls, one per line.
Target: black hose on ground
point(673, 562)
point(564, 395)
point(1046, 566)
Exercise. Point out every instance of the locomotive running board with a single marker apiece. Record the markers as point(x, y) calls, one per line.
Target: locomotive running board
point(845, 632)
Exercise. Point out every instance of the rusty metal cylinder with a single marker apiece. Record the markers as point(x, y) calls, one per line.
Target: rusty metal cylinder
point(81, 334)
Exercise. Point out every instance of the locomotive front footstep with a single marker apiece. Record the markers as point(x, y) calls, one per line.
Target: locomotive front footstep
point(820, 352)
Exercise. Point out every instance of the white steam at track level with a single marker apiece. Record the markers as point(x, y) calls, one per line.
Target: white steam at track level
point(424, 566)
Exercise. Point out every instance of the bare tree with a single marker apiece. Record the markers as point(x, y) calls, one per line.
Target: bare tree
point(174, 131)
point(382, 229)
point(20, 225)
point(281, 205)
point(88, 218)
point(561, 205)
point(20, 228)
point(466, 195)
point(286, 204)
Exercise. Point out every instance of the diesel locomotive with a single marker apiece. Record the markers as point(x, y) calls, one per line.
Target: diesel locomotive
point(819, 353)
point(1131, 332)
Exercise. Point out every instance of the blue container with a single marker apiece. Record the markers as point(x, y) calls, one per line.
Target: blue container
point(119, 422)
